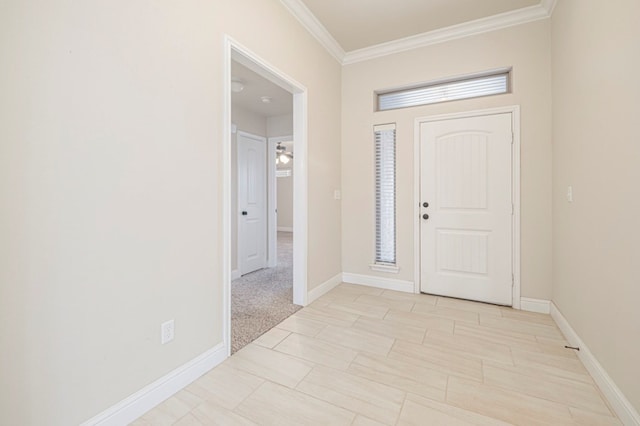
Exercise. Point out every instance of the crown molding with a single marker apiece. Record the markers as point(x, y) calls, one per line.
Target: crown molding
point(311, 23)
point(549, 5)
point(478, 26)
point(504, 20)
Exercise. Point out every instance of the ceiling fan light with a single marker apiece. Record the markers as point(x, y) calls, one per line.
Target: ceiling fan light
point(284, 159)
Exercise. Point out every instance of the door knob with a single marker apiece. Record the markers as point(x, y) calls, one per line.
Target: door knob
point(425, 216)
point(425, 204)
point(244, 213)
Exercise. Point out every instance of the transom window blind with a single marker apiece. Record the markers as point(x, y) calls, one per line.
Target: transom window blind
point(385, 148)
point(485, 84)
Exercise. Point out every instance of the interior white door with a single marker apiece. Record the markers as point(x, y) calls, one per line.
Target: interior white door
point(252, 197)
point(466, 208)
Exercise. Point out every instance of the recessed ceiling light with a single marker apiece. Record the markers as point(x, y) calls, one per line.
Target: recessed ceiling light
point(266, 99)
point(237, 86)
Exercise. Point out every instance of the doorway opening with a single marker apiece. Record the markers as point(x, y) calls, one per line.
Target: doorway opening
point(264, 267)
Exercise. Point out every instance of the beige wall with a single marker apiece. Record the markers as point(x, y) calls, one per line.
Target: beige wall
point(111, 165)
point(285, 201)
point(526, 49)
point(280, 125)
point(250, 122)
point(596, 238)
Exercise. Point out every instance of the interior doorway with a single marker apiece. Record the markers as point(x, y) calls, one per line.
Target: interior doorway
point(240, 122)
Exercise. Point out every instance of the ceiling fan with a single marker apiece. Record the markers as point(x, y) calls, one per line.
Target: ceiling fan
point(282, 155)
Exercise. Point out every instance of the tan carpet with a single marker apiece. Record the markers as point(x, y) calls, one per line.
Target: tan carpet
point(262, 299)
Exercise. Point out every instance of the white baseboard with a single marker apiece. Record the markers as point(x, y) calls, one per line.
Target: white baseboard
point(285, 229)
point(620, 404)
point(235, 274)
point(535, 305)
point(385, 283)
point(129, 409)
point(324, 288)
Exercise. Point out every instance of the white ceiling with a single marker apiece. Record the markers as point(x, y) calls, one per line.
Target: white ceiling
point(256, 86)
point(356, 24)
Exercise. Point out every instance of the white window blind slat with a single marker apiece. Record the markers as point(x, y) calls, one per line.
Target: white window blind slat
point(470, 87)
point(385, 153)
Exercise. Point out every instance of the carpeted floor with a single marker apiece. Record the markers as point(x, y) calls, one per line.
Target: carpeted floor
point(262, 299)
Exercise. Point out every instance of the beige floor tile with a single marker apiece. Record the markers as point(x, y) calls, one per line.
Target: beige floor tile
point(391, 329)
point(296, 324)
point(570, 368)
point(401, 375)
point(272, 337)
point(337, 295)
point(345, 288)
point(532, 317)
point(419, 411)
point(362, 309)
point(534, 329)
point(356, 339)
point(354, 393)
point(410, 297)
point(514, 340)
point(471, 346)
point(448, 313)
point(497, 335)
point(365, 421)
point(141, 422)
point(508, 406)
point(430, 322)
point(556, 347)
point(189, 420)
point(273, 404)
point(271, 365)
point(317, 351)
point(551, 388)
point(225, 385)
point(438, 359)
point(209, 413)
point(171, 410)
point(588, 418)
point(328, 316)
point(466, 305)
point(398, 305)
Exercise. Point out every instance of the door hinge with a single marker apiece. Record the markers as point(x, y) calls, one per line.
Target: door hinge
point(513, 280)
point(513, 137)
point(513, 209)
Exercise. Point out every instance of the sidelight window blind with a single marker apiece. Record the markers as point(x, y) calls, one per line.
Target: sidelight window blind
point(385, 150)
point(490, 83)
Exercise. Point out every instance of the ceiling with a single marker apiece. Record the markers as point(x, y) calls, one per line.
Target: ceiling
point(255, 87)
point(356, 24)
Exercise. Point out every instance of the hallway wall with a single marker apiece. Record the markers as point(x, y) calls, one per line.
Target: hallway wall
point(596, 151)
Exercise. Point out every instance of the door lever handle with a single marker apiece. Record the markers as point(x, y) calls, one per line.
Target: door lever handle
point(244, 213)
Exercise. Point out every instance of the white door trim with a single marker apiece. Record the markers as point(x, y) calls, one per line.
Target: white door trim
point(515, 190)
point(238, 52)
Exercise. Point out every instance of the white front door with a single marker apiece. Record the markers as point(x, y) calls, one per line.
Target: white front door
point(252, 197)
point(466, 208)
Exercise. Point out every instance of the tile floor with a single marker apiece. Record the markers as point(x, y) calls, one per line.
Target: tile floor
point(365, 356)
